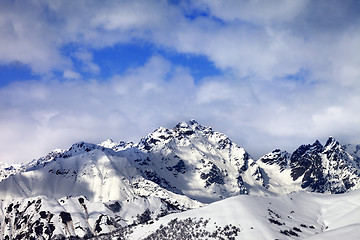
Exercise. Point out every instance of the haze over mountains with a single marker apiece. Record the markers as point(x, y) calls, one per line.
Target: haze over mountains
point(118, 189)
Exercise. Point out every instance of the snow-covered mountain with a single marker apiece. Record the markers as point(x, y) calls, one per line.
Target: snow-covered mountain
point(189, 160)
point(198, 162)
point(85, 191)
point(313, 167)
point(6, 170)
point(109, 188)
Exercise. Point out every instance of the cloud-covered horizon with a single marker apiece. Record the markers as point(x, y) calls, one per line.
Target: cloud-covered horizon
point(287, 72)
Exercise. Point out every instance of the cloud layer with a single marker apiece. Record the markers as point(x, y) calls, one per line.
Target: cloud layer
point(290, 72)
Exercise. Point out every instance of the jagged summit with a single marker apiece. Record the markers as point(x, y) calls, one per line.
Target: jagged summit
point(317, 168)
point(191, 124)
point(277, 157)
point(182, 130)
point(108, 143)
point(331, 143)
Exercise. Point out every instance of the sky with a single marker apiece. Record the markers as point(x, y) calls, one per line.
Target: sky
point(269, 74)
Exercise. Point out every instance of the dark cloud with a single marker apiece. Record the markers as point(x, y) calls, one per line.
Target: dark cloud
point(326, 17)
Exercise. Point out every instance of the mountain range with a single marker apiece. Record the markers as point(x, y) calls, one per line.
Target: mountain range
point(176, 179)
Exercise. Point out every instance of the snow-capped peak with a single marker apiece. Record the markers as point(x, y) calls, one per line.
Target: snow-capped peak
point(163, 135)
point(189, 126)
point(331, 143)
point(109, 143)
point(191, 123)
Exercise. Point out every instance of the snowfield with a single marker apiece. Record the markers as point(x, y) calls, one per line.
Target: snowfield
point(299, 215)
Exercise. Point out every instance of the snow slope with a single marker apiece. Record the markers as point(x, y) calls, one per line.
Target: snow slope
point(299, 215)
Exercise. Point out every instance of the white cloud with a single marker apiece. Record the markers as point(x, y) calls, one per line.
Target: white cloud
point(256, 37)
point(290, 72)
point(26, 37)
point(69, 74)
point(40, 116)
point(86, 59)
point(258, 12)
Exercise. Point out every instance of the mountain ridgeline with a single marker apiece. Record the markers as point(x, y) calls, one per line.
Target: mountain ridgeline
point(92, 190)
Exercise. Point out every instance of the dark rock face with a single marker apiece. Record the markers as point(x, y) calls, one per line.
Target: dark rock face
point(144, 217)
point(152, 176)
point(327, 168)
point(241, 185)
point(214, 176)
point(278, 157)
point(65, 217)
point(115, 206)
point(178, 168)
point(305, 160)
point(324, 168)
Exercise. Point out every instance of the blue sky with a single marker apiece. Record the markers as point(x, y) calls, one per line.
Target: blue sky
point(114, 60)
point(269, 74)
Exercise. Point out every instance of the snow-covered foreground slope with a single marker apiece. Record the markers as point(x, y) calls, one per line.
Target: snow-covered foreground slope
point(299, 215)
